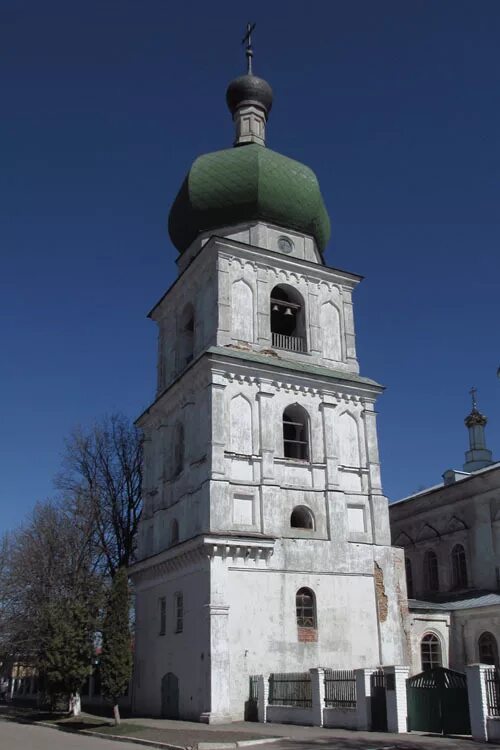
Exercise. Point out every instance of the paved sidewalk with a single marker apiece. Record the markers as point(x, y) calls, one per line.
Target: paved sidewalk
point(185, 733)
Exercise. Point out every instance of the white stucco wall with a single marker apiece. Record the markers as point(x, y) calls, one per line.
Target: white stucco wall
point(186, 654)
point(238, 561)
point(227, 287)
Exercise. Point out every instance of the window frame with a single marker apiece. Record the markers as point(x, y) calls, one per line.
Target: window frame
point(308, 621)
point(410, 588)
point(174, 532)
point(162, 610)
point(178, 612)
point(179, 450)
point(285, 299)
point(305, 443)
point(459, 567)
point(493, 647)
point(186, 337)
point(431, 570)
point(434, 658)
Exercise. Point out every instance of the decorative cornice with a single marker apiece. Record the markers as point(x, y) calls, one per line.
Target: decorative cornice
point(227, 248)
point(246, 549)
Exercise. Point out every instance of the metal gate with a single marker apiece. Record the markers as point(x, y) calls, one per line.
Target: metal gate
point(251, 705)
point(438, 702)
point(378, 701)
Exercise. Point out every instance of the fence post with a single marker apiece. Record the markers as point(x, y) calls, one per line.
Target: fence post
point(478, 705)
point(363, 699)
point(262, 696)
point(397, 709)
point(318, 695)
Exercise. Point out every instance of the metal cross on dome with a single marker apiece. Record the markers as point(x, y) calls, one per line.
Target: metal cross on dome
point(473, 392)
point(247, 39)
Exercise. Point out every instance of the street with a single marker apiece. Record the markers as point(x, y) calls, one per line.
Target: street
point(15, 736)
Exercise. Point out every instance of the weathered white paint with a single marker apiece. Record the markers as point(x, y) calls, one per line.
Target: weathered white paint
point(348, 439)
point(356, 518)
point(238, 562)
point(240, 425)
point(478, 707)
point(242, 308)
point(331, 331)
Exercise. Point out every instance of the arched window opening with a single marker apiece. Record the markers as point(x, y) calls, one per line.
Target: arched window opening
point(287, 319)
point(459, 567)
point(174, 531)
point(488, 649)
point(186, 336)
point(178, 449)
point(302, 518)
point(295, 433)
point(409, 578)
point(306, 608)
point(430, 652)
point(431, 573)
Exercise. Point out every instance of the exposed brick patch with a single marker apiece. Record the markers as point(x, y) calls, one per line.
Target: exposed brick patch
point(308, 635)
point(402, 602)
point(380, 594)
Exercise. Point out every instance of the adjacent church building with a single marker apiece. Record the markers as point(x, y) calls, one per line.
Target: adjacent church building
point(450, 534)
point(264, 542)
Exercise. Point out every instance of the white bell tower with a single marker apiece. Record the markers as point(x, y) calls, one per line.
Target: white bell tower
point(264, 542)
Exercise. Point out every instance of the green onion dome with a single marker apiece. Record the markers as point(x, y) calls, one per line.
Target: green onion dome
point(244, 184)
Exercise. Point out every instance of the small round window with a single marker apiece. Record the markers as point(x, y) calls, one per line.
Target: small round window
point(285, 244)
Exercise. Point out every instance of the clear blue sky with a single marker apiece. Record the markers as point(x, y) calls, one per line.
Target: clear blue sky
point(105, 103)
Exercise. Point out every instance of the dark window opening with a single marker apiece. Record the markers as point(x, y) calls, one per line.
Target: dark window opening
point(459, 567)
point(488, 649)
point(295, 433)
point(287, 319)
point(186, 337)
point(431, 571)
point(305, 608)
point(301, 518)
point(162, 603)
point(430, 652)
point(179, 612)
point(178, 449)
point(409, 578)
point(174, 532)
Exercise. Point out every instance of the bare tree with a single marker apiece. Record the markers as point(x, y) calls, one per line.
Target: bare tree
point(50, 597)
point(101, 477)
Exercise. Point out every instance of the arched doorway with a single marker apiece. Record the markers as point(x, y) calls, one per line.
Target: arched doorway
point(169, 696)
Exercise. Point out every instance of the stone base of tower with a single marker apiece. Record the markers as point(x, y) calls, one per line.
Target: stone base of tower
point(250, 625)
point(212, 718)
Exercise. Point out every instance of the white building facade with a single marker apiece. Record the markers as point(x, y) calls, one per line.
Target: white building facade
point(450, 534)
point(265, 541)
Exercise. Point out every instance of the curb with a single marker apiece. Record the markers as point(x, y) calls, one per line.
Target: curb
point(164, 745)
point(237, 744)
point(115, 737)
point(135, 740)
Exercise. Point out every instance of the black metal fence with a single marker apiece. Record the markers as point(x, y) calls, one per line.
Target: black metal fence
point(492, 680)
point(290, 689)
point(340, 688)
point(253, 687)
